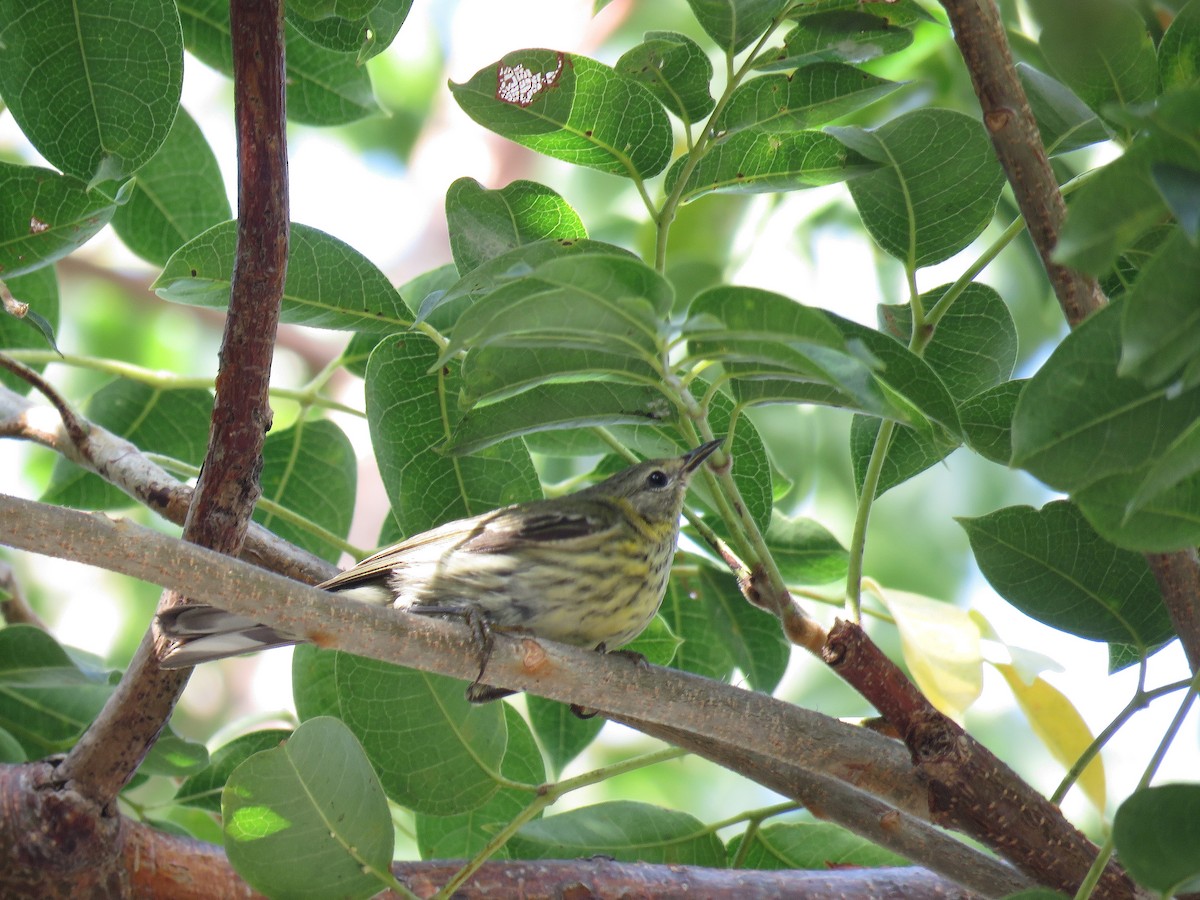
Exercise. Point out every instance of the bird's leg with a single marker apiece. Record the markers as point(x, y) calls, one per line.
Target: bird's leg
point(481, 634)
point(638, 659)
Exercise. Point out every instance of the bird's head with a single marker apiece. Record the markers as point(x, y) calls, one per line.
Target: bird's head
point(656, 488)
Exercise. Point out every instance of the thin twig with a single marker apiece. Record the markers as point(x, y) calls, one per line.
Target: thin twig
point(76, 427)
point(109, 752)
point(14, 609)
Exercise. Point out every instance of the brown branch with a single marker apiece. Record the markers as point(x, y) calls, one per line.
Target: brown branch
point(859, 812)
point(73, 424)
point(1178, 577)
point(108, 754)
point(969, 788)
point(980, 36)
point(752, 727)
point(123, 465)
point(152, 864)
point(551, 879)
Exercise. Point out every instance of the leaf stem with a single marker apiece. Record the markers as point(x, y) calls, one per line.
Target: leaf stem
point(1139, 701)
point(858, 538)
point(733, 77)
point(165, 380)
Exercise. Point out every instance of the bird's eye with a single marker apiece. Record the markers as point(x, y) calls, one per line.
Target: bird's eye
point(657, 479)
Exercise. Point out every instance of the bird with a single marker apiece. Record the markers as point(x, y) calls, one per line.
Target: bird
point(588, 569)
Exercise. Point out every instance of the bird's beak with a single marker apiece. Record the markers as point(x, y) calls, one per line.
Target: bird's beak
point(693, 459)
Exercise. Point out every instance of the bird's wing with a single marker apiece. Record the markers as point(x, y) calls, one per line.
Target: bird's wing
point(494, 532)
point(541, 524)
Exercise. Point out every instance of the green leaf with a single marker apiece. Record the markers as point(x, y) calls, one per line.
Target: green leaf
point(203, 790)
point(433, 751)
point(750, 636)
point(410, 412)
point(367, 35)
point(1133, 511)
point(897, 13)
point(11, 750)
point(1051, 565)
point(177, 195)
point(608, 303)
point(39, 289)
point(1157, 835)
point(734, 24)
point(466, 834)
point(987, 420)
point(1101, 49)
point(657, 643)
point(1180, 188)
point(806, 98)
point(570, 108)
point(46, 700)
point(94, 84)
point(686, 613)
point(809, 845)
point(906, 374)
point(1160, 326)
point(624, 831)
point(846, 35)
point(553, 406)
point(309, 819)
point(485, 224)
point(174, 756)
point(758, 335)
point(751, 162)
point(1078, 421)
point(311, 470)
point(908, 453)
point(805, 551)
point(937, 189)
point(562, 734)
point(324, 9)
point(174, 423)
point(442, 308)
point(973, 348)
point(1179, 50)
point(1106, 215)
point(1064, 121)
point(675, 70)
point(323, 87)
point(493, 373)
point(44, 216)
point(329, 283)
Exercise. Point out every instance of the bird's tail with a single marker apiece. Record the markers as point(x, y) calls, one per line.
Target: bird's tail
point(205, 633)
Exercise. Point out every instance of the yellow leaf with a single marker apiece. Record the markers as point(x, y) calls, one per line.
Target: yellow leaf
point(1056, 721)
point(940, 644)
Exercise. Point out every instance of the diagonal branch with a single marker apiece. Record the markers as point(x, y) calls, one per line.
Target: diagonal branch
point(123, 465)
point(743, 730)
point(108, 754)
point(969, 788)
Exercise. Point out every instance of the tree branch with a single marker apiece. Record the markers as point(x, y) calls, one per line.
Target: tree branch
point(153, 864)
point(123, 465)
point(980, 36)
point(969, 788)
point(758, 732)
point(108, 754)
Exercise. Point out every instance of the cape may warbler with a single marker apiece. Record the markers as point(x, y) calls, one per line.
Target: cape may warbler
point(588, 569)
